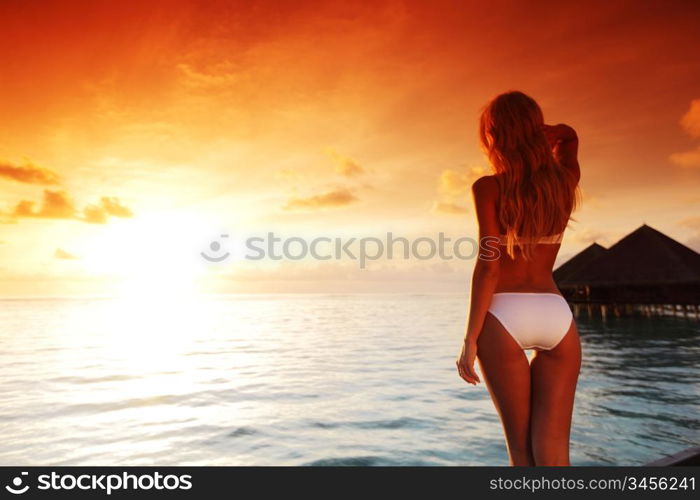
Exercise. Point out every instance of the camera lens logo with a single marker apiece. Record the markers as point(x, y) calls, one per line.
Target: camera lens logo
point(16, 488)
point(215, 246)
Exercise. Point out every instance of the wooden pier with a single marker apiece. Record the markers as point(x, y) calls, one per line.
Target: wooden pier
point(605, 310)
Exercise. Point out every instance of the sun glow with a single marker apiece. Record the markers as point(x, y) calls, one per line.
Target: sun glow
point(154, 257)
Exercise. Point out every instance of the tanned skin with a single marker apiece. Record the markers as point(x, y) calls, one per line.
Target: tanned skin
point(534, 400)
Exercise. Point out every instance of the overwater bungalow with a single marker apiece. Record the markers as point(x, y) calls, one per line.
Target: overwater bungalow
point(646, 271)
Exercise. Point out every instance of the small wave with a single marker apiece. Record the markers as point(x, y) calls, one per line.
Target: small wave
point(349, 462)
point(117, 405)
point(242, 431)
point(93, 380)
point(397, 423)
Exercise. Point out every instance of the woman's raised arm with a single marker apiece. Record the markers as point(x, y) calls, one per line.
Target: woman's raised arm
point(564, 142)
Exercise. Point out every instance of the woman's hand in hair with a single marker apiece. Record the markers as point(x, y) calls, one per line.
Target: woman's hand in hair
point(558, 133)
point(564, 143)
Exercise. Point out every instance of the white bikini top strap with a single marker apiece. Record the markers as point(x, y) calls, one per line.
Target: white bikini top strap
point(552, 239)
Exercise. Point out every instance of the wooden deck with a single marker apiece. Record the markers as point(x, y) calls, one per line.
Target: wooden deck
point(689, 456)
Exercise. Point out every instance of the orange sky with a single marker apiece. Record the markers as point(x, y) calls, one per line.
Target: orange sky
point(134, 131)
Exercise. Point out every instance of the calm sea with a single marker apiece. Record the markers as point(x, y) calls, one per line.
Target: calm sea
point(311, 380)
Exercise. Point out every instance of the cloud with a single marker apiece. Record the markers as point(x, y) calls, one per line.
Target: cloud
point(336, 198)
point(63, 255)
point(453, 185)
point(691, 124)
point(201, 79)
point(691, 120)
point(344, 165)
point(28, 173)
point(109, 206)
point(94, 215)
point(55, 205)
point(113, 206)
point(59, 205)
point(448, 208)
point(456, 183)
point(687, 159)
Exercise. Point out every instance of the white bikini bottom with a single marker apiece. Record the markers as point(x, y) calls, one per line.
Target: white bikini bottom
point(534, 320)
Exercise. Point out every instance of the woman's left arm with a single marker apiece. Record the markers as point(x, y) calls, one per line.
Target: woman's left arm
point(485, 275)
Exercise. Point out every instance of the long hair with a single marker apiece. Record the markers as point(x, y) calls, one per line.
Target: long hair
point(537, 194)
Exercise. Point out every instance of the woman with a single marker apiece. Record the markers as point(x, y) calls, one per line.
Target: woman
point(523, 209)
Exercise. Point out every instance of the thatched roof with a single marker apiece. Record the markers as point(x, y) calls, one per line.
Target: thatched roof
point(578, 262)
point(643, 257)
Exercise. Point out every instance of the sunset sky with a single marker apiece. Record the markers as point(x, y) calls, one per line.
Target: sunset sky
point(134, 133)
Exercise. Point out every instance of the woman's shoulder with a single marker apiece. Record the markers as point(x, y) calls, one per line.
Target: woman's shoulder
point(486, 185)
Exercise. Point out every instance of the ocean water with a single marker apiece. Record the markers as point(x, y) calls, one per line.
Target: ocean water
point(311, 380)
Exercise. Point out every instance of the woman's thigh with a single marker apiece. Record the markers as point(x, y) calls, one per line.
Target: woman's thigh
point(506, 371)
point(554, 377)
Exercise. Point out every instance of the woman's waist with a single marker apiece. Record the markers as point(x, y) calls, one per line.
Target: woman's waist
point(540, 285)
